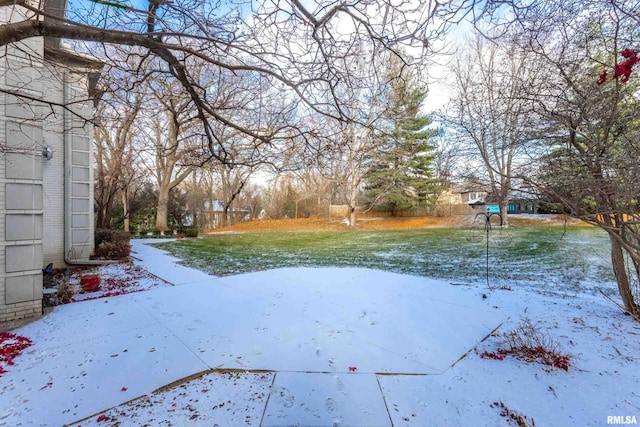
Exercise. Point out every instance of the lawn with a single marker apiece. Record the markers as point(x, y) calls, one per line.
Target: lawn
point(573, 259)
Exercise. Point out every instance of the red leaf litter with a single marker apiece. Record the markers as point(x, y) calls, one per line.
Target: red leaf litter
point(536, 354)
point(11, 345)
point(123, 389)
point(499, 355)
point(115, 287)
point(352, 369)
point(102, 418)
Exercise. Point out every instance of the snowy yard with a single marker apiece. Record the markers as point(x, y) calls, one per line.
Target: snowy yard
point(319, 346)
point(573, 258)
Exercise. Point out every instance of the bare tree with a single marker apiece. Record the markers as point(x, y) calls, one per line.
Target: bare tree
point(281, 197)
point(359, 147)
point(296, 50)
point(233, 180)
point(593, 169)
point(447, 162)
point(169, 136)
point(252, 198)
point(314, 192)
point(114, 155)
point(490, 112)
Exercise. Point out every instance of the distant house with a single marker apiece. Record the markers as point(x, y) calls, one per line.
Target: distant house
point(212, 215)
point(46, 154)
point(460, 199)
point(523, 203)
point(473, 194)
point(478, 197)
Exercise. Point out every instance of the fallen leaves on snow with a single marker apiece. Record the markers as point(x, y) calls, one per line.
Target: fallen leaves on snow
point(11, 345)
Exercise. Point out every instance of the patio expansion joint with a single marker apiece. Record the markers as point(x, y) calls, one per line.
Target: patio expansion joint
point(266, 404)
point(172, 334)
point(384, 399)
point(221, 370)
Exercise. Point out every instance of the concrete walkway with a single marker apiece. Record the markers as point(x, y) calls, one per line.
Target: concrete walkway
point(310, 327)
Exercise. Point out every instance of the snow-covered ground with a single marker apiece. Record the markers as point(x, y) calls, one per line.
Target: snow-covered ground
point(117, 279)
point(322, 346)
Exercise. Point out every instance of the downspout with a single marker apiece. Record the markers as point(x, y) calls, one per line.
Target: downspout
point(67, 184)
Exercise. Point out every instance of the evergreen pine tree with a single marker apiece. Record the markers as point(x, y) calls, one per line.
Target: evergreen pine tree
point(400, 176)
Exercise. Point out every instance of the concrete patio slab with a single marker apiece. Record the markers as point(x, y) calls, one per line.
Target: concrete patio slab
point(317, 320)
point(166, 266)
point(316, 399)
point(77, 381)
point(310, 326)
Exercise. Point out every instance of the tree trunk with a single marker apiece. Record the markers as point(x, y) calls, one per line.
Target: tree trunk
point(195, 217)
point(620, 271)
point(162, 208)
point(228, 203)
point(352, 217)
point(194, 202)
point(504, 209)
point(104, 217)
point(353, 203)
point(125, 209)
point(104, 200)
point(226, 217)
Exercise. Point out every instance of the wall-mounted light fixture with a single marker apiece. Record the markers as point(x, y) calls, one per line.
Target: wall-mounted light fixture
point(47, 152)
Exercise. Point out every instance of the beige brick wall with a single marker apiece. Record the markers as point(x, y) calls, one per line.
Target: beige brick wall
point(35, 186)
point(2, 224)
point(80, 148)
point(22, 310)
point(21, 209)
point(3, 18)
point(53, 173)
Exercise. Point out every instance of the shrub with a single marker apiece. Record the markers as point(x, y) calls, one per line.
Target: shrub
point(105, 235)
point(65, 293)
point(112, 244)
point(113, 250)
point(528, 343)
point(190, 232)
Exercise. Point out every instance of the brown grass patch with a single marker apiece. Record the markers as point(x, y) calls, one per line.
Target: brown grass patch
point(337, 224)
point(381, 223)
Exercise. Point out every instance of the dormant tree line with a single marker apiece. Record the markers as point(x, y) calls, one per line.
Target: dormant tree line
point(278, 84)
point(529, 105)
point(152, 133)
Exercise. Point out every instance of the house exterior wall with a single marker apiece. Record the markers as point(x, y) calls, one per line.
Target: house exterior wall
point(79, 219)
point(21, 178)
point(449, 197)
point(69, 134)
point(46, 209)
point(53, 172)
point(473, 196)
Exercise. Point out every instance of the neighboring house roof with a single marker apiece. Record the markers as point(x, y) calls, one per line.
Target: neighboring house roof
point(520, 195)
point(470, 187)
point(216, 205)
point(477, 201)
